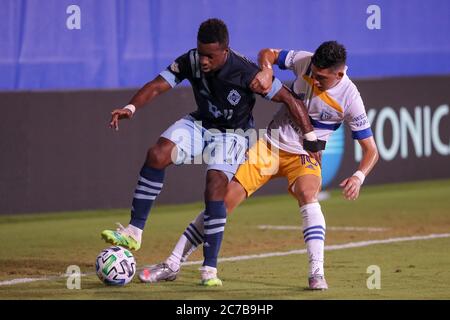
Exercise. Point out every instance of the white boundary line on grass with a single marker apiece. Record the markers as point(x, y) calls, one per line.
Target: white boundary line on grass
point(330, 247)
point(368, 229)
point(262, 255)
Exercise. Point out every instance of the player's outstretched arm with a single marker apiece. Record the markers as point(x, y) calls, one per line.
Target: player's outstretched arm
point(146, 94)
point(300, 115)
point(352, 185)
point(296, 108)
point(263, 80)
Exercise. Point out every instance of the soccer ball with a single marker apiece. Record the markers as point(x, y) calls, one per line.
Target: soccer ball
point(115, 266)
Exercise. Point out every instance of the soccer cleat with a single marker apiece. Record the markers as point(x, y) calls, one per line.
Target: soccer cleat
point(317, 283)
point(209, 277)
point(157, 273)
point(213, 282)
point(121, 237)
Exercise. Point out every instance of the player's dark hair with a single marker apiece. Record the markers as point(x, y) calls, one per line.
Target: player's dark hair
point(213, 30)
point(330, 54)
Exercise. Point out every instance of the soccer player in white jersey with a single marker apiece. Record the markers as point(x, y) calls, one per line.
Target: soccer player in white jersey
point(220, 79)
point(331, 98)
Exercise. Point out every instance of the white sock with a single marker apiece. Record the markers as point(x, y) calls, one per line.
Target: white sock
point(314, 236)
point(135, 232)
point(191, 238)
point(174, 261)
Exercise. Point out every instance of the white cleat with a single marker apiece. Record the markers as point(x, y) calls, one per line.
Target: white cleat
point(317, 283)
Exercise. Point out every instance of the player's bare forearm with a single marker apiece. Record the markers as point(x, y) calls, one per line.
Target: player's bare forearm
point(296, 108)
point(149, 91)
point(369, 155)
point(352, 185)
point(300, 116)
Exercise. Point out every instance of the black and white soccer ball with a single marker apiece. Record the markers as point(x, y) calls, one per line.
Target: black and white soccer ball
point(115, 266)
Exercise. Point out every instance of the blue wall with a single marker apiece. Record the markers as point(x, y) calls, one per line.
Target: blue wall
point(126, 43)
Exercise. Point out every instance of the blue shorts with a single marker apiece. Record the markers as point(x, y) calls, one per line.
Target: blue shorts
point(196, 145)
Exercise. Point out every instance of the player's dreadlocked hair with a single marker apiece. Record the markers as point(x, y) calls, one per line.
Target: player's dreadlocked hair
point(213, 30)
point(329, 54)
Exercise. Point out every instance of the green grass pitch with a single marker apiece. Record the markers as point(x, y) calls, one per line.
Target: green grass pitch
point(43, 246)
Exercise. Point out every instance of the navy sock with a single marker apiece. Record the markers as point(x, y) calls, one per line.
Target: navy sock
point(148, 188)
point(214, 226)
point(193, 235)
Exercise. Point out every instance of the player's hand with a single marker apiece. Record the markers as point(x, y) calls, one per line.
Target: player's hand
point(117, 115)
point(351, 186)
point(316, 156)
point(262, 82)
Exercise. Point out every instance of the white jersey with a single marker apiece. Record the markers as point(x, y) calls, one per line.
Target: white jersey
point(327, 109)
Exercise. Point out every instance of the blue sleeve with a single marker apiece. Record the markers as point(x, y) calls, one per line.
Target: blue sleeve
point(276, 86)
point(362, 134)
point(281, 62)
point(177, 71)
point(170, 77)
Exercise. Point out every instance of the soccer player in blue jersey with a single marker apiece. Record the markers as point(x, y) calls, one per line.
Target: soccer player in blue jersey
point(220, 79)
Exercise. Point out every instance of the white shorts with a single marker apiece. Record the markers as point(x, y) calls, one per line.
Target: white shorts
point(196, 145)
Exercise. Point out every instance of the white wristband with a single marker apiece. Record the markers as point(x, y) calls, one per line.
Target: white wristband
point(310, 136)
point(360, 176)
point(130, 107)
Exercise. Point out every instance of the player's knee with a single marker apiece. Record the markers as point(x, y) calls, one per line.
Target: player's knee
point(306, 195)
point(157, 158)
